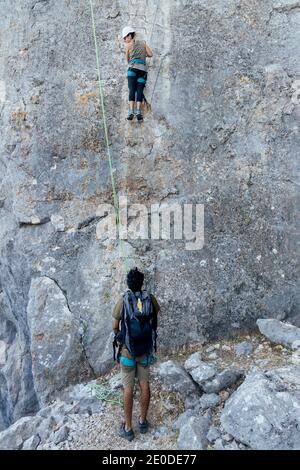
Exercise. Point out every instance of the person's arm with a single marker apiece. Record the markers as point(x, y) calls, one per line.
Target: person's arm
point(155, 304)
point(117, 312)
point(116, 325)
point(149, 52)
point(127, 54)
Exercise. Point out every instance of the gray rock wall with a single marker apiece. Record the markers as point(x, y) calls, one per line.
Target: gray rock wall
point(224, 132)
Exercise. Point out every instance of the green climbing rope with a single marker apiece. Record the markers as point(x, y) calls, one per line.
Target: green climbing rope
point(101, 98)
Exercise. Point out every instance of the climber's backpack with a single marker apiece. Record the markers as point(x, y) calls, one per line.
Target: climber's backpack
point(138, 324)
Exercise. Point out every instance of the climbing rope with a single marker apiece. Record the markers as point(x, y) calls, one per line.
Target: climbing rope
point(149, 42)
point(101, 98)
point(153, 24)
point(156, 79)
point(161, 59)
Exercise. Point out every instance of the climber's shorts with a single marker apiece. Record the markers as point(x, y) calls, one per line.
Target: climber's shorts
point(133, 368)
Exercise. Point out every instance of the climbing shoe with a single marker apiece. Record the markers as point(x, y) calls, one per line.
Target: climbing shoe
point(129, 435)
point(130, 115)
point(139, 116)
point(143, 427)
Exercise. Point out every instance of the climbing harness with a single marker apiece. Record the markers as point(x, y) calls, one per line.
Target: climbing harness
point(138, 61)
point(101, 98)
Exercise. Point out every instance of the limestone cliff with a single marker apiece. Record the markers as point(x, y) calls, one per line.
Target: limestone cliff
point(224, 131)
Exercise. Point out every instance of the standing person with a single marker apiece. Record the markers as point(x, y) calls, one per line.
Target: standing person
point(136, 52)
point(134, 324)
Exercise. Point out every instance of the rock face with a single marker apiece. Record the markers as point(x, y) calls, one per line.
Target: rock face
point(264, 412)
point(279, 332)
point(223, 132)
point(55, 341)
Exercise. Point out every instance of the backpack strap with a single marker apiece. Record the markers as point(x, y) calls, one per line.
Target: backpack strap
point(154, 327)
point(125, 328)
point(115, 345)
point(122, 336)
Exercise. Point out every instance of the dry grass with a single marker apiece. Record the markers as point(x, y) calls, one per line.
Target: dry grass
point(85, 97)
point(19, 116)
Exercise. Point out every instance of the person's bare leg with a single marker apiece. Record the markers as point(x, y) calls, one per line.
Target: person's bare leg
point(128, 403)
point(144, 400)
point(139, 113)
point(131, 104)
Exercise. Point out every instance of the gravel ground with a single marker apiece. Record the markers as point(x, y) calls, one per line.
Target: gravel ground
point(100, 431)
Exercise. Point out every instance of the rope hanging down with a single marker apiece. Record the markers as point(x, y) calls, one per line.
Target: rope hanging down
point(161, 58)
point(101, 98)
point(153, 23)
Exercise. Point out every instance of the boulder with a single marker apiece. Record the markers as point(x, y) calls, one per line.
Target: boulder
point(14, 436)
point(193, 361)
point(264, 412)
point(82, 398)
point(175, 379)
point(243, 349)
point(209, 400)
point(198, 369)
point(46, 427)
point(219, 444)
point(279, 332)
point(31, 443)
point(193, 434)
point(222, 380)
point(184, 418)
point(212, 356)
point(213, 434)
point(61, 435)
point(192, 401)
point(55, 340)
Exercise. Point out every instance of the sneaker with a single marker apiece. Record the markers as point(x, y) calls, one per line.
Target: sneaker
point(129, 435)
point(130, 115)
point(139, 116)
point(143, 427)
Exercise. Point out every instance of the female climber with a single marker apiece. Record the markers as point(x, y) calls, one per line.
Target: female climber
point(136, 52)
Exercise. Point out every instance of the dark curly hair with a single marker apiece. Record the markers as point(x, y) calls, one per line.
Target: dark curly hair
point(130, 34)
point(135, 280)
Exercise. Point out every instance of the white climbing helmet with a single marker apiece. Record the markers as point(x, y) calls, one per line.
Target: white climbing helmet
point(127, 30)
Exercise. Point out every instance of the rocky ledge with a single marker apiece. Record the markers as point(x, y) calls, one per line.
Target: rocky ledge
point(231, 395)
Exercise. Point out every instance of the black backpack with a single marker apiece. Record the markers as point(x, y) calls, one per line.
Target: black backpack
point(138, 324)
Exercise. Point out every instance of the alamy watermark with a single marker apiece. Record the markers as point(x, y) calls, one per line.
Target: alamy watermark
point(157, 222)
